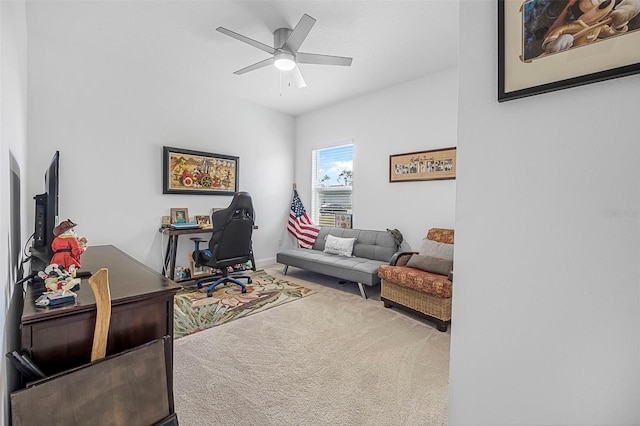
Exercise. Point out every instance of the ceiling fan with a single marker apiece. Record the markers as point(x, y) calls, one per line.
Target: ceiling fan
point(286, 57)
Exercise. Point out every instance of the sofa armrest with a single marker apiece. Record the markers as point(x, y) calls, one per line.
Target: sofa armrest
point(401, 258)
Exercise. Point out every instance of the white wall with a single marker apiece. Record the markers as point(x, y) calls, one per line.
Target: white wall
point(109, 107)
point(546, 318)
point(415, 116)
point(13, 126)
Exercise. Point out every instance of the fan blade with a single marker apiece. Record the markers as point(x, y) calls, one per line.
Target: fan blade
point(296, 75)
point(247, 40)
point(299, 33)
point(312, 58)
point(255, 66)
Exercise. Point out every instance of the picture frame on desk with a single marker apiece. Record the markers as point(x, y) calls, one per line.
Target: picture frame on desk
point(203, 220)
point(186, 171)
point(179, 215)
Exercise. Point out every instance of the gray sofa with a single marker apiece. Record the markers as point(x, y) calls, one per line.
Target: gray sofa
point(371, 249)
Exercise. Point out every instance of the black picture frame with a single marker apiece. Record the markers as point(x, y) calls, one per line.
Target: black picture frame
point(598, 61)
point(186, 171)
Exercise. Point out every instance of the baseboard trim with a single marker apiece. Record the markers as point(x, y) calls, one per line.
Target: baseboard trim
point(262, 263)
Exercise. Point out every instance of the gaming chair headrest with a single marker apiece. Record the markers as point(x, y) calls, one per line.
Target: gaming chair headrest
point(241, 201)
point(240, 207)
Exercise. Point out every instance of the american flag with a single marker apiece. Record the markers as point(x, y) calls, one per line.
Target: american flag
point(300, 225)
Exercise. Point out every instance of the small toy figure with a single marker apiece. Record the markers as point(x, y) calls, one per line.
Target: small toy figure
point(67, 247)
point(59, 285)
point(57, 279)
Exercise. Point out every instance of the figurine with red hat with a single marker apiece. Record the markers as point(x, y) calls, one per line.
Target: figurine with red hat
point(66, 246)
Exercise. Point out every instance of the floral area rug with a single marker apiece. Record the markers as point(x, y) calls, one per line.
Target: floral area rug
point(194, 311)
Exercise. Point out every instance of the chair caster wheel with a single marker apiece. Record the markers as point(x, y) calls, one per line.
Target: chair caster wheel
point(244, 290)
point(249, 281)
point(198, 286)
point(209, 293)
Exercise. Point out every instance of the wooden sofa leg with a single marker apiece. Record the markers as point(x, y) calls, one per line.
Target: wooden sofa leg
point(362, 292)
point(387, 304)
point(286, 267)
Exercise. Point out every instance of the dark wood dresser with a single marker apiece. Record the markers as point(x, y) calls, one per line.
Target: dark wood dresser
point(60, 338)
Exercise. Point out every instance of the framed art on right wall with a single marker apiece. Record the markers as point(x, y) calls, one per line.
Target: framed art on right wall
point(548, 45)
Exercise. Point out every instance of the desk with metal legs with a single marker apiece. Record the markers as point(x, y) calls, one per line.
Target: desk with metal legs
point(172, 247)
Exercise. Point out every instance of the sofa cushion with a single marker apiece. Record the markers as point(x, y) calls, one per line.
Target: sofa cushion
point(430, 264)
point(339, 246)
point(422, 281)
point(375, 245)
point(436, 249)
point(355, 269)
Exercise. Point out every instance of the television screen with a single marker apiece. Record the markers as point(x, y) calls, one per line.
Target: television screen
point(47, 210)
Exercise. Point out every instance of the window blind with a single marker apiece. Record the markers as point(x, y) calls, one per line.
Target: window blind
point(332, 186)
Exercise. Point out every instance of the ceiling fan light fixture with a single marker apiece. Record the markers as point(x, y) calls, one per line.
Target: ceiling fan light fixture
point(284, 61)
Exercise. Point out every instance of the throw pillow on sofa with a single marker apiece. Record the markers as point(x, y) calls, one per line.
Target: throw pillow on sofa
point(436, 249)
point(431, 264)
point(339, 246)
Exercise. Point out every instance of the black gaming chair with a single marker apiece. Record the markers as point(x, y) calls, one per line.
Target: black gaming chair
point(230, 243)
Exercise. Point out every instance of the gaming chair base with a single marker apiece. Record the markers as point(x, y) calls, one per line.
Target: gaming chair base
point(223, 279)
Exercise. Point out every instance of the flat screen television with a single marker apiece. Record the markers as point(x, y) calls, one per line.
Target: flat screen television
point(47, 211)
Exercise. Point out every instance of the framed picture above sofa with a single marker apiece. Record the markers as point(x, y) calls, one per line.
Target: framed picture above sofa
point(437, 164)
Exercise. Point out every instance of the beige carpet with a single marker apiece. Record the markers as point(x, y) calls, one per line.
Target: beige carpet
point(332, 358)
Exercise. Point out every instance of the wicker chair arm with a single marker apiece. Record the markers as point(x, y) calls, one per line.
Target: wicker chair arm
point(401, 258)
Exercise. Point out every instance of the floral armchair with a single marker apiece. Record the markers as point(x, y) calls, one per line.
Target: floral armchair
point(422, 282)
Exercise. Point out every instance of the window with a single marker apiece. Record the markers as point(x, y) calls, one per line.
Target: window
point(331, 186)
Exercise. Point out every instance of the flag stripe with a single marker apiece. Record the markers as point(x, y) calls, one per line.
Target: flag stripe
point(302, 234)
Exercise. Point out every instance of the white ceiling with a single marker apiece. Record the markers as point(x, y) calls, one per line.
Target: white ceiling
point(391, 42)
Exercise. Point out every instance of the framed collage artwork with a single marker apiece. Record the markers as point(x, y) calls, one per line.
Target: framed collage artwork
point(437, 164)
